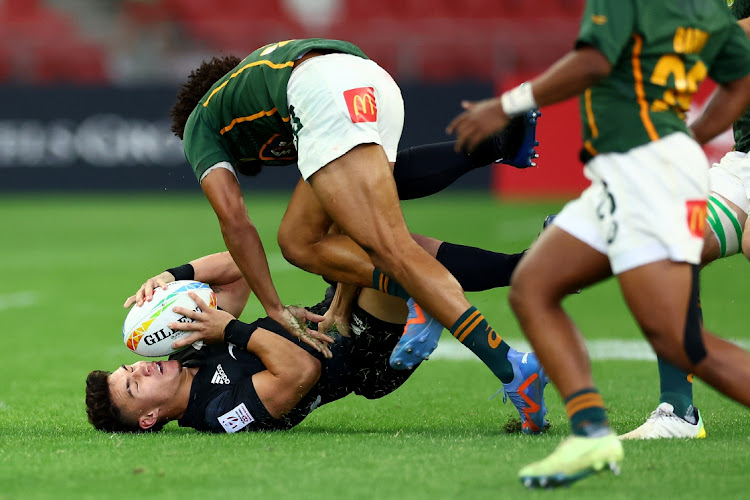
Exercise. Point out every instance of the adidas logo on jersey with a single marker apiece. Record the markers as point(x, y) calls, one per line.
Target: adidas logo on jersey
point(219, 376)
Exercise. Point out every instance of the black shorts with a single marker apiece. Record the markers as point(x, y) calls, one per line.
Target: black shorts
point(372, 375)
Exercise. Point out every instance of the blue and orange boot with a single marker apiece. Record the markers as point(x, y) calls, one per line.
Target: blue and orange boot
point(526, 390)
point(420, 338)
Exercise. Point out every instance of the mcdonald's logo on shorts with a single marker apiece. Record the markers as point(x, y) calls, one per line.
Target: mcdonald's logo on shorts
point(361, 104)
point(696, 217)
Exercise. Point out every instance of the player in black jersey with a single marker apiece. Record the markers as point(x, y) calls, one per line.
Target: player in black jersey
point(268, 380)
point(276, 380)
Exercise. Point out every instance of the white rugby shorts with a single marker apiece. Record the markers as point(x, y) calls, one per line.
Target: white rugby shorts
point(643, 206)
point(726, 180)
point(342, 101)
point(730, 178)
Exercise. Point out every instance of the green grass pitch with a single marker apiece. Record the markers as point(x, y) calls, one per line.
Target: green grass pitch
point(67, 263)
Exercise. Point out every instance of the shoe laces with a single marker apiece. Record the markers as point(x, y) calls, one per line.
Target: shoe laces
point(659, 412)
point(514, 397)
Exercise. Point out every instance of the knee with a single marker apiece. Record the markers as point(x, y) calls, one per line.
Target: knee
point(294, 249)
point(520, 296)
point(391, 255)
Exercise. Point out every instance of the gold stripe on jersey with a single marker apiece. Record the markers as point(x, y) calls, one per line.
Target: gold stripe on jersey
point(590, 148)
point(640, 91)
point(252, 64)
point(250, 118)
point(590, 114)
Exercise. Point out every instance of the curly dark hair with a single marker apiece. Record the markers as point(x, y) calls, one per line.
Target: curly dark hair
point(102, 412)
point(198, 83)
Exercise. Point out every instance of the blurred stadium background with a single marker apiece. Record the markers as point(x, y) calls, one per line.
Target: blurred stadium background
point(86, 85)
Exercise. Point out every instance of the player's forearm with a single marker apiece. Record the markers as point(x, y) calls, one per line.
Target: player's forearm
point(342, 304)
point(279, 355)
point(244, 244)
point(726, 105)
point(216, 269)
point(570, 76)
point(291, 372)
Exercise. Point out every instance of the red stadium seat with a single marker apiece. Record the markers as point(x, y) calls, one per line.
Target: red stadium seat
point(20, 7)
point(70, 62)
point(239, 37)
point(6, 64)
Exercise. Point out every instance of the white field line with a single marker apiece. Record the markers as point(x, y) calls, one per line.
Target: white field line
point(604, 349)
point(17, 300)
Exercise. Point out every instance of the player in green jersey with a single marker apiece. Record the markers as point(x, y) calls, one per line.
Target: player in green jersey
point(323, 104)
point(676, 416)
point(636, 65)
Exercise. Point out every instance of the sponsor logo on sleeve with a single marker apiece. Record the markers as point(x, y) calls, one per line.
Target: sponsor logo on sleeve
point(236, 419)
point(361, 104)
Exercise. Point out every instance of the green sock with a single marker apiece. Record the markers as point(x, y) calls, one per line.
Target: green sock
point(585, 410)
point(472, 330)
point(676, 389)
point(677, 385)
point(388, 285)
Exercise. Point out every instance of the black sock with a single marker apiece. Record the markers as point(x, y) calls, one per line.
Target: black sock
point(424, 170)
point(477, 269)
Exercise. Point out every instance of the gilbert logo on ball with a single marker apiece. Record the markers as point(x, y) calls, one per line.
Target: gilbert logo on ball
point(145, 330)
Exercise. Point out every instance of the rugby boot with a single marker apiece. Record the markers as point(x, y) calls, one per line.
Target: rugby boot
point(526, 390)
point(514, 145)
point(420, 338)
point(576, 457)
point(663, 423)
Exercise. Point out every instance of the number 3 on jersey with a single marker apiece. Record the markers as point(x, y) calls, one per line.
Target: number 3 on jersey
point(686, 41)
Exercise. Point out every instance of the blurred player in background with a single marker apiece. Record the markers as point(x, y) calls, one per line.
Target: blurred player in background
point(636, 65)
point(323, 104)
point(676, 416)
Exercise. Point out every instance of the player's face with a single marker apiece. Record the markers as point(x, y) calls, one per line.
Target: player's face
point(142, 387)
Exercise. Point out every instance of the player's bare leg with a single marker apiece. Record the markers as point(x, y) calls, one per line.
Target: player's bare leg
point(357, 190)
point(677, 416)
point(658, 294)
point(306, 241)
point(557, 265)
point(359, 193)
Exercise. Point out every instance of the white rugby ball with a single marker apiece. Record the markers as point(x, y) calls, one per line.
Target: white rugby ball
point(145, 330)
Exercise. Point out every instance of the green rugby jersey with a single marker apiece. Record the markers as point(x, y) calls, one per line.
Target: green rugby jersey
point(741, 10)
point(660, 52)
point(244, 117)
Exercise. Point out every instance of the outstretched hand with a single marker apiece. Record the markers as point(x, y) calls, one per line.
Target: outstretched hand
point(480, 120)
point(146, 292)
point(208, 324)
point(295, 319)
point(332, 321)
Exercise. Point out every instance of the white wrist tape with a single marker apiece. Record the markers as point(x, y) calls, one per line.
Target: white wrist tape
point(518, 100)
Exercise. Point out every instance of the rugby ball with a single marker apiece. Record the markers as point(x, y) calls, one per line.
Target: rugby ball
point(145, 330)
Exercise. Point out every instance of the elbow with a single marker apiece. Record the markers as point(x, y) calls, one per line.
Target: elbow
point(596, 67)
point(309, 373)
